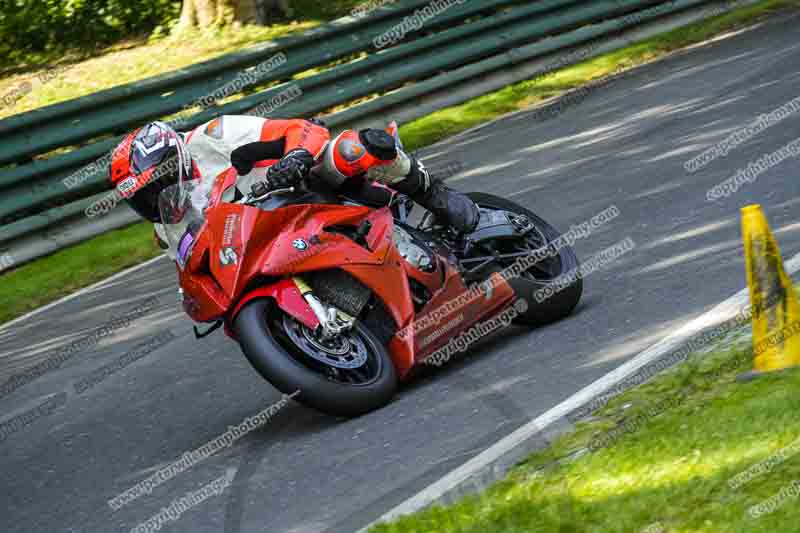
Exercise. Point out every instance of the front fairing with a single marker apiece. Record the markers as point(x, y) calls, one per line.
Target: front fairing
point(238, 248)
point(257, 243)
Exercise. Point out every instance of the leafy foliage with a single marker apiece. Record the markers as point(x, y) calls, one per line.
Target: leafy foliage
point(32, 27)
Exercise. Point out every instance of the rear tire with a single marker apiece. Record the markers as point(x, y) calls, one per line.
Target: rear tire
point(268, 346)
point(561, 303)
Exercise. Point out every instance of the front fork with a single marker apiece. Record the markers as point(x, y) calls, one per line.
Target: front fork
point(332, 321)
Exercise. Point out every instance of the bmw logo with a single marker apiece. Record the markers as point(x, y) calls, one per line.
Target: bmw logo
point(300, 244)
point(228, 256)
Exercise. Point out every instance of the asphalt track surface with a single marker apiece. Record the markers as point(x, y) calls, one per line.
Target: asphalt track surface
point(623, 143)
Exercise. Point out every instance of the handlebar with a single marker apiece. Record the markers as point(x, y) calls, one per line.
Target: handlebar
point(250, 199)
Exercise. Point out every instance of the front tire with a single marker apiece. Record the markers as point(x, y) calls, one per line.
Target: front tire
point(280, 349)
point(560, 303)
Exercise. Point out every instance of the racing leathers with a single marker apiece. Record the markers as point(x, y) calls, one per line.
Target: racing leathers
point(279, 151)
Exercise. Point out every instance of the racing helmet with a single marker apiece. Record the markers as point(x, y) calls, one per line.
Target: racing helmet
point(146, 162)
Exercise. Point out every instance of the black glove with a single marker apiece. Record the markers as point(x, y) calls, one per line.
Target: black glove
point(292, 168)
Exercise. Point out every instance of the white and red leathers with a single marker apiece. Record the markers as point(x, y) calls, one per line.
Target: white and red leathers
point(252, 144)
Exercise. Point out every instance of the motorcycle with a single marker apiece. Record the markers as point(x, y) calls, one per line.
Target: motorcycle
point(338, 302)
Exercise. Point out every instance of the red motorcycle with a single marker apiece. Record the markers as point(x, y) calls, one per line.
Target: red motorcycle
point(341, 301)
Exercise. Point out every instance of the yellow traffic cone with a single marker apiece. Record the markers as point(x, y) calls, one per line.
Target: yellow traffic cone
point(775, 309)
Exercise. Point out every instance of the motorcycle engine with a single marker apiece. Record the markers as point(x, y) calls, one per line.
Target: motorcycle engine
point(411, 251)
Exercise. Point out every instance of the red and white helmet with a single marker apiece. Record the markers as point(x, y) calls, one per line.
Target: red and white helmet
point(146, 162)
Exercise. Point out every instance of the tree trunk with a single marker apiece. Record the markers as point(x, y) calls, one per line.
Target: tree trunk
point(206, 13)
point(247, 11)
point(188, 15)
point(266, 9)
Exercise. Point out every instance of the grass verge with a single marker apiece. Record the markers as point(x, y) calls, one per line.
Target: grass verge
point(658, 458)
point(49, 278)
point(42, 284)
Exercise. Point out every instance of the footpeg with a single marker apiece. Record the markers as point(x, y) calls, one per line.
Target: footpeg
point(522, 224)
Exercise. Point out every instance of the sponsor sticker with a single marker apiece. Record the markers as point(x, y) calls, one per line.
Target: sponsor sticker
point(127, 186)
point(230, 229)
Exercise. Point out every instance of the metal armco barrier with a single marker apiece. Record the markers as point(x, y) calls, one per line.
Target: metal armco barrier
point(459, 51)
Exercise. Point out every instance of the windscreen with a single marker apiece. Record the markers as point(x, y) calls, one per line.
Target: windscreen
point(182, 207)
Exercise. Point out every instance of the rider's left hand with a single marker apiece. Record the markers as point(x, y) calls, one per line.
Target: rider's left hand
point(291, 169)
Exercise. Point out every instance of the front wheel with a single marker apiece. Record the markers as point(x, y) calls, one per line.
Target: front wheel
point(349, 375)
point(538, 279)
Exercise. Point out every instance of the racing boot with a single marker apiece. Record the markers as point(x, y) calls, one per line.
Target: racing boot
point(449, 207)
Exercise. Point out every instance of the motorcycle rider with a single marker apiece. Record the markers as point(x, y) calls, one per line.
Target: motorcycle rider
point(156, 156)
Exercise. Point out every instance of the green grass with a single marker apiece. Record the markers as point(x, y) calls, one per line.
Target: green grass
point(668, 471)
point(46, 279)
point(43, 285)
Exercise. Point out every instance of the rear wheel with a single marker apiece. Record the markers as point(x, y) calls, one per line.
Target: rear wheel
point(559, 262)
point(348, 375)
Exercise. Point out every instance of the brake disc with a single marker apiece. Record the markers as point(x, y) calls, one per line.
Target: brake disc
point(346, 350)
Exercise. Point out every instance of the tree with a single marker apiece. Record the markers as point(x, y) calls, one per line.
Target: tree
point(206, 13)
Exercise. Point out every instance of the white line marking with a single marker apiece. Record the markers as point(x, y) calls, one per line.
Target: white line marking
point(719, 314)
point(82, 291)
